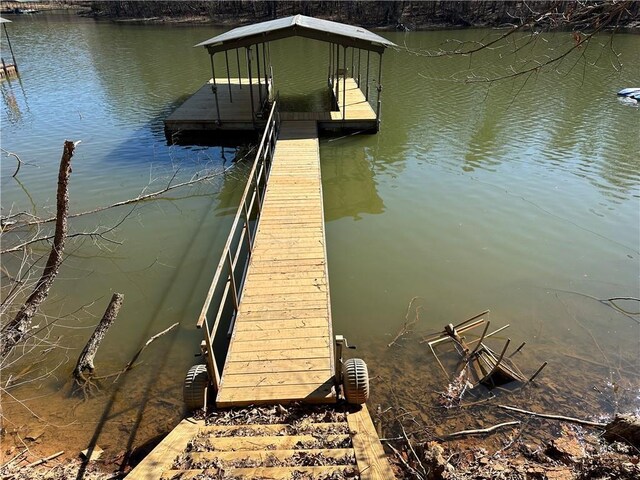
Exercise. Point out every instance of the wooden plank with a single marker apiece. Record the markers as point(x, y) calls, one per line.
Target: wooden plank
point(285, 394)
point(267, 429)
point(286, 473)
point(275, 442)
point(270, 379)
point(316, 296)
point(372, 461)
point(161, 457)
point(346, 455)
point(279, 306)
point(299, 324)
point(296, 334)
point(258, 318)
point(275, 366)
point(265, 473)
point(244, 343)
point(284, 281)
point(287, 354)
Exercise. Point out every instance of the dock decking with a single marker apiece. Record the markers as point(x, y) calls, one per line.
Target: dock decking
point(357, 106)
point(282, 345)
point(199, 111)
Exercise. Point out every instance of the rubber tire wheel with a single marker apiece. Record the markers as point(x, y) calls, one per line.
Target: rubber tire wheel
point(355, 379)
point(195, 383)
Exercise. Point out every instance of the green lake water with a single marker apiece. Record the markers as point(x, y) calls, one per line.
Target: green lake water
point(520, 197)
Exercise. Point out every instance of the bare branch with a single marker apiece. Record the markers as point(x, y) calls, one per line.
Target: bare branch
point(15, 330)
point(140, 198)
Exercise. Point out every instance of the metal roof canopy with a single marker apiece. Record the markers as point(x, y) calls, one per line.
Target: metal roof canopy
point(298, 25)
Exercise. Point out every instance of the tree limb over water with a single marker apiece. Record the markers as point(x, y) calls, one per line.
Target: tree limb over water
point(584, 19)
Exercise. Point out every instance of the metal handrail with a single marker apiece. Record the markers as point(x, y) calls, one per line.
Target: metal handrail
point(233, 252)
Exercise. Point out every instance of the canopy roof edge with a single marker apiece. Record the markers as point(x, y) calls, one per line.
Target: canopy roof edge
point(298, 25)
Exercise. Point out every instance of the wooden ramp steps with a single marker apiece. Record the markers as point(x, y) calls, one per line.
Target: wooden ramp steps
point(281, 350)
point(347, 446)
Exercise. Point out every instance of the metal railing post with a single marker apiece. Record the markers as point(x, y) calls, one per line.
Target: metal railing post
point(232, 279)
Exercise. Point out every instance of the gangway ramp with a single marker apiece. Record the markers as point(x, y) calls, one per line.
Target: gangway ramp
point(281, 349)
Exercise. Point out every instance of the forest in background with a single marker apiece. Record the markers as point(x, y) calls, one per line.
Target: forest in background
point(411, 15)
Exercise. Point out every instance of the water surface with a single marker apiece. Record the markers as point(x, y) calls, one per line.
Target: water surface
point(521, 197)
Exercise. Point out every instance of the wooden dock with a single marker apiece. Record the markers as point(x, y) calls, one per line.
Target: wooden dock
point(282, 345)
point(199, 113)
point(351, 101)
point(270, 289)
point(347, 447)
point(232, 113)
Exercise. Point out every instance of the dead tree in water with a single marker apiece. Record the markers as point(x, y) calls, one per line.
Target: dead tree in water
point(14, 331)
point(85, 360)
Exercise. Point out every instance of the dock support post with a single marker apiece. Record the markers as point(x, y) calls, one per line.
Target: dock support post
point(353, 53)
point(329, 75)
point(344, 84)
point(258, 75)
point(337, 83)
point(239, 73)
point(379, 87)
point(366, 95)
point(253, 110)
point(226, 59)
point(214, 88)
point(359, 64)
point(266, 70)
point(270, 66)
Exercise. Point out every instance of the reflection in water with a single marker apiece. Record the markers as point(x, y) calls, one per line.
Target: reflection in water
point(348, 184)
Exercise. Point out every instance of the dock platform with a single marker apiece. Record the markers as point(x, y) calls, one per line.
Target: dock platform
point(282, 345)
point(234, 110)
point(352, 111)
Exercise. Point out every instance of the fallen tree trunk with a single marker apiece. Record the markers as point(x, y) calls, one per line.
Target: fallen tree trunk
point(85, 360)
point(15, 330)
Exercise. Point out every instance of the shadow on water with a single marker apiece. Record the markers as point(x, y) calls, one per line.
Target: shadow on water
point(148, 390)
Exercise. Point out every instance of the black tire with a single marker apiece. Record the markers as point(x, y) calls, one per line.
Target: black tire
point(195, 384)
point(355, 378)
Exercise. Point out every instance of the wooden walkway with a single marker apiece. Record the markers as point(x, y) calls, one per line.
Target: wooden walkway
point(282, 345)
point(347, 447)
